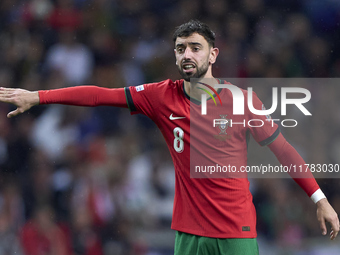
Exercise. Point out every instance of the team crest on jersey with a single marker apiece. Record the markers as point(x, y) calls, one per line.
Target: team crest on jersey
point(223, 126)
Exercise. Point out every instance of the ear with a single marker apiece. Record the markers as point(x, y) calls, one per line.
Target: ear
point(213, 55)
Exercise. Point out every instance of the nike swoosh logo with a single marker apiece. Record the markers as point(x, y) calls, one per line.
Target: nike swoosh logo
point(175, 118)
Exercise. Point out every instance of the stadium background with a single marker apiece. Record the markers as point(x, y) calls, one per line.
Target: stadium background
point(97, 181)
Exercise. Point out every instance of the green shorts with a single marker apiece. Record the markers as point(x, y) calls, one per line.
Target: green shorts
point(187, 244)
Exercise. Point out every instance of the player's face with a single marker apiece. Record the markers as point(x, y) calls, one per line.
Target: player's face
point(194, 56)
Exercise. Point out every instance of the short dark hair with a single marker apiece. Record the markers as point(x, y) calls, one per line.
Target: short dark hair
point(195, 26)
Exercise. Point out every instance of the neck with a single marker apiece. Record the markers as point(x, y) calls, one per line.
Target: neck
point(192, 90)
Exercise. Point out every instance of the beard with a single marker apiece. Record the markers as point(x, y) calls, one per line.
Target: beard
point(200, 72)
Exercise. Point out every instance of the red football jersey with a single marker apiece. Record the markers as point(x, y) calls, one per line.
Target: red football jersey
point(212, 207)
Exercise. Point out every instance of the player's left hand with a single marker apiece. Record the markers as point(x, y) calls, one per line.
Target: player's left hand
point(325, 213)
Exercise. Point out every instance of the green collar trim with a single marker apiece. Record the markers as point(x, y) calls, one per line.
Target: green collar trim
point(198, 102)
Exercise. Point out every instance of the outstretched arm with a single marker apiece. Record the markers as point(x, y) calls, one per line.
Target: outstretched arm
point(81, 96)
point(287, 155)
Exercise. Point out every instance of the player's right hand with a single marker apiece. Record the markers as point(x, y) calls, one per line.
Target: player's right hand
point(22, 98)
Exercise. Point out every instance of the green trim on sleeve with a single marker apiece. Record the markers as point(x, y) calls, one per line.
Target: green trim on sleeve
point(270, 139)
point(129, 100)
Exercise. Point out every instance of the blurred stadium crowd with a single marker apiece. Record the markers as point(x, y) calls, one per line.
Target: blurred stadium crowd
point(92, 181)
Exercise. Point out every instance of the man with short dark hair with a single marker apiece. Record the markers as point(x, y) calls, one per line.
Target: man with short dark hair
point(211, 215)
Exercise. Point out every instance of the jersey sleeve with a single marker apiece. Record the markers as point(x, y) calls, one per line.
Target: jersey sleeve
point(287, 155)
point(262, 127)
point(143, 99)
point(84, 96)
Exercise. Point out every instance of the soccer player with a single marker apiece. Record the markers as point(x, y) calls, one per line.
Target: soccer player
point(211, 215)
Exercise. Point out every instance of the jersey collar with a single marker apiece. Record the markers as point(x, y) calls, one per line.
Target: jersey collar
point(198, 102)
